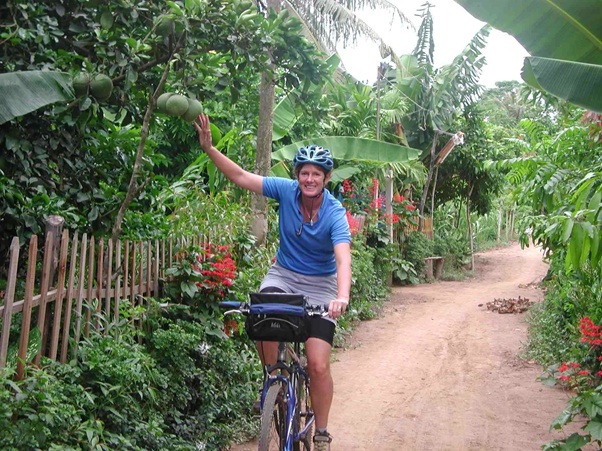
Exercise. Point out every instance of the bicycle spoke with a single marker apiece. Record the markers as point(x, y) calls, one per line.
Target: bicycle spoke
point(273, 420)
point(304, 417)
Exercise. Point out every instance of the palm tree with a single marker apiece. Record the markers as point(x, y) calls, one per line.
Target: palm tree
point(332, 22)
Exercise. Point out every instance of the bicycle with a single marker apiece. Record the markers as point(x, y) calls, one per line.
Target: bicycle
point(286, 416)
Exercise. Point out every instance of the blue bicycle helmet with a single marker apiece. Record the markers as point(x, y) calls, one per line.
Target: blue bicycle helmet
point(315, 155)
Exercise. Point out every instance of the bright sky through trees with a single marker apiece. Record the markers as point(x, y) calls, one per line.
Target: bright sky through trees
point(453, 28)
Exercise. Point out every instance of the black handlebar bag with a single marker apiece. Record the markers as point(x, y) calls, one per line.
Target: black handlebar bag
point(278, 317)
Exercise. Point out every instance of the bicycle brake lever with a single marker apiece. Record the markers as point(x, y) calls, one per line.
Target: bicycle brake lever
point(228, 312)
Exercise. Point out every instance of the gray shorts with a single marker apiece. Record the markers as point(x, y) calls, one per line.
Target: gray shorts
point(320, 290)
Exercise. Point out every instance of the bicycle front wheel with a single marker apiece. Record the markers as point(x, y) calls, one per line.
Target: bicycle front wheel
point(304, 417)
point(273, 420)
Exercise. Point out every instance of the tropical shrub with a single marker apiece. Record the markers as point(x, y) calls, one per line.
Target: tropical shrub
point(416, 248)
point(585, 378)
point(554, 323)
point(48, 409)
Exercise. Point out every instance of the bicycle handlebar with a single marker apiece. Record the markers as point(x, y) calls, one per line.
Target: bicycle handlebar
point(273, 309)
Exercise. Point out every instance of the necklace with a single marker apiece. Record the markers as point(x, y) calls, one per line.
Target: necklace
point(311, 214)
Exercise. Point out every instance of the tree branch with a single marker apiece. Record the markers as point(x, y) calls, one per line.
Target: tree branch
point(133, 187)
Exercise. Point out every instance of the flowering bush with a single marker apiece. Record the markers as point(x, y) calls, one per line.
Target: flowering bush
point(203, 273)
point(404, 209)
point(585, 378)
point(354, 223)
point(368, 201)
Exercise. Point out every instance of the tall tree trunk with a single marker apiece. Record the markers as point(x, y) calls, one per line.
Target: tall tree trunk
point(427, 183)
point(259, 204)
point(469, 227)
point(433, 198)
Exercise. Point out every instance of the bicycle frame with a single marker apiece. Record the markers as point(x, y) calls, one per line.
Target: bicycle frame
point(295, 371)
point(288, 375)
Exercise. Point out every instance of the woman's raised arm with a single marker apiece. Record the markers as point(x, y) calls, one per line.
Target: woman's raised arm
point(231, 170)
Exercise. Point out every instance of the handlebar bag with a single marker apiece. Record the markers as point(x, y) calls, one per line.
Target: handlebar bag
point(278, 317)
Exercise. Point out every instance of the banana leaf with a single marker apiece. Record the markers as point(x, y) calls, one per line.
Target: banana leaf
point(560, 29)
point(563, 30)
point(27, 91)
point(285, 115)
point(349, 148)
point(577, 83)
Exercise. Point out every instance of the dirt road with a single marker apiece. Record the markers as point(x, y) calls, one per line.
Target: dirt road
point(440, 372)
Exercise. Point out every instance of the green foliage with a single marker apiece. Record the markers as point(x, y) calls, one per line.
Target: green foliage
point(553, 324)
point(464, 175)
point(402, 271)
point(561, 186)
point(182, 386)
point(48, 408)
point(62, 159)
point(583, 376)
point(453, 245)
point(126, 383)
point(212, 380)
point(368, 289)
point(415, 249)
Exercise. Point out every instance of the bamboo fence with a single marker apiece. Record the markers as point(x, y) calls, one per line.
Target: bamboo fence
point(63, 301)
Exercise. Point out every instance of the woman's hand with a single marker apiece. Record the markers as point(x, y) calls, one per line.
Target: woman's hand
point(203, 128)
point(337, 307)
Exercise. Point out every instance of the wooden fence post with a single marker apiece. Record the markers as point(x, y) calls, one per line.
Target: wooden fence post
point(54, 225)
point(26, 320)
point(80, 291)
point(44, 287)
point(69, 299)
point(9, 297)
point(60, 293)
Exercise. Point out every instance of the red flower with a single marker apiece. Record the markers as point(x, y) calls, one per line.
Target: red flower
point(410, 207)
point(392, 218)
point(590, 332)
point(354, 224)
point(347, 186)
point(398, 198)
point(217, 267)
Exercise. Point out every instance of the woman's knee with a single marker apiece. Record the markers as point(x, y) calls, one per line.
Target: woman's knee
point(318, 368)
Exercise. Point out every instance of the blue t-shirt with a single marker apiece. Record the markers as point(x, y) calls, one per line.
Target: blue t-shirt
point(312, 251)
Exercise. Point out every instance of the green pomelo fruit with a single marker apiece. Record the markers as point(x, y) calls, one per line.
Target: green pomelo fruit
point(80, 84)
point(194, 109)
point(162, 100)
point(101, 87)
point(176, 105)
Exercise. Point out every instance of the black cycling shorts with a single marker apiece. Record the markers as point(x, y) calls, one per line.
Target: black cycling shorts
point(318, 327)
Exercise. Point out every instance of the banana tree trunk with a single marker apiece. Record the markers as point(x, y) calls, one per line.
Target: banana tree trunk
point(427, 183)
point(469, 227)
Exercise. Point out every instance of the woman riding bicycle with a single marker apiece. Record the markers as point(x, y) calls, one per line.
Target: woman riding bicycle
point(313, 258)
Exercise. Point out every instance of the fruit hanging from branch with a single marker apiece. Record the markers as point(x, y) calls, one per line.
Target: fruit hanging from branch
point(176, 105)
point(179, 105)
point(194, 109)
point(81, 84)
point(101, 87)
